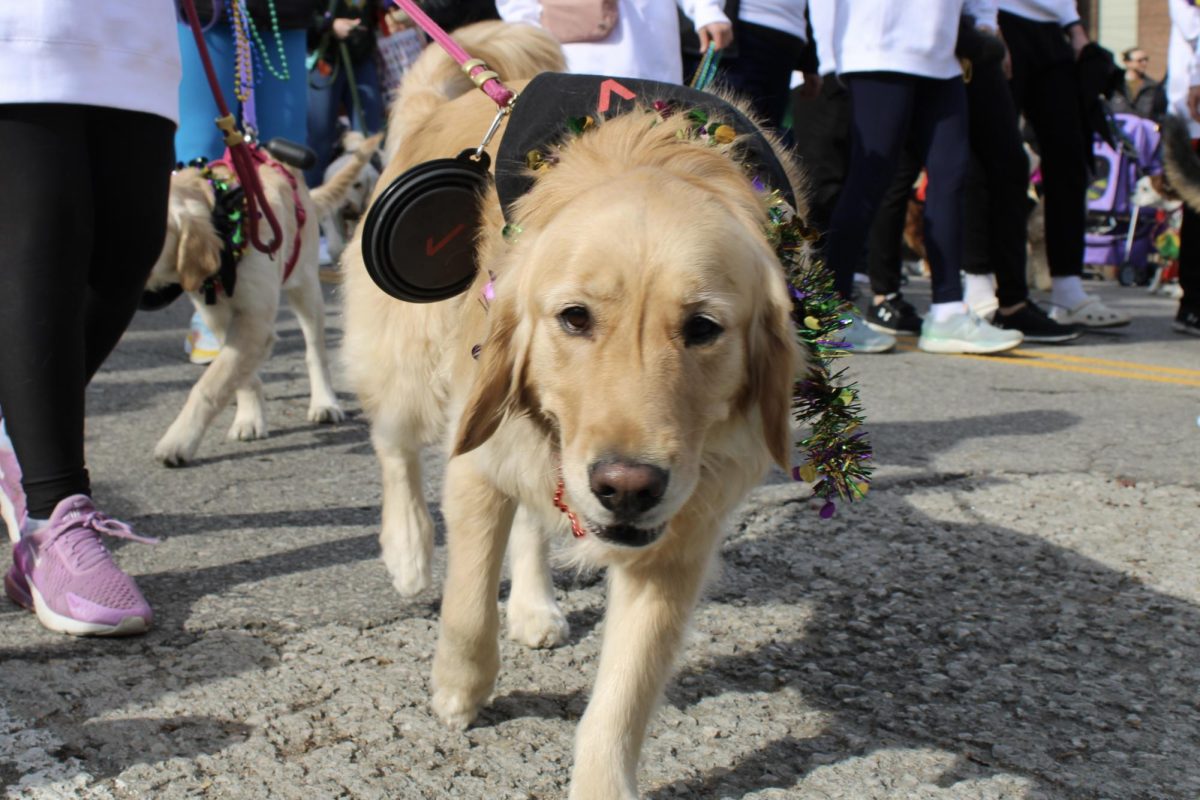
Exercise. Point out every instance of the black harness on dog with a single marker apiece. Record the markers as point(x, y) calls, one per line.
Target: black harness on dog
point(228, 216)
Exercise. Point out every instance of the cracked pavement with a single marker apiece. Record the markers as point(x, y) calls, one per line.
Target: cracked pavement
point(1013, 613)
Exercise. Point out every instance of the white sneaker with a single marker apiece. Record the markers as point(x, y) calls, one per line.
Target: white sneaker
point(966, 333)
point(862, 339)
point(1091, 313)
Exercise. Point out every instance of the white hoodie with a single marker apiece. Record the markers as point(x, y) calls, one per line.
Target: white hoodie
point(644, 43)
point(1183, 59)
point(893, 35)
point(116, 54)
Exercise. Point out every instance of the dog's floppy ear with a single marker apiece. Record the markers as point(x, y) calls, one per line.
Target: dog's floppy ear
point(199, 254)
point(774, 363)
point(497, 383)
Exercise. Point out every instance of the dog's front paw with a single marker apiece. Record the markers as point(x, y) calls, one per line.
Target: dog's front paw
point(326, 414)
point(410, 573)
point(247, 430)
point(537, 626)
point(174, 453)
point(457, 709)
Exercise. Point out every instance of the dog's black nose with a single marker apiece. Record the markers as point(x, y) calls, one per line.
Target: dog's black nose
point(627, 489)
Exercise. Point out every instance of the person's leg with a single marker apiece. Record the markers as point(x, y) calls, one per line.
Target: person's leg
point(47, 226)
point(762, 70)
point(884, 243)
point(821, 138)
point(939, 130)
point(995, 139)
point(881, 107)
point(130, 226)
point(197, 136)
point(370, 95)
point(979, 288)
point(324, 96)
point(1187, 320)
point(282, 106)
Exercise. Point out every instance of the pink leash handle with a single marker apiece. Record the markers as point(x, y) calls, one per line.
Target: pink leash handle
point(476, 70)
point(239, 151)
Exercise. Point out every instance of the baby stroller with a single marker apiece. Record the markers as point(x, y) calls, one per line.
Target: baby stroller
point(1120, 230)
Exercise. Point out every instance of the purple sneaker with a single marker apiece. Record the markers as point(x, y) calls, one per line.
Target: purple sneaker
point(66, 576)
point(12, 496)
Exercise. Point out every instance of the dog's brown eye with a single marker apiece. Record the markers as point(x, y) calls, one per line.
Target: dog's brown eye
point(701, 330)
point(575, 319)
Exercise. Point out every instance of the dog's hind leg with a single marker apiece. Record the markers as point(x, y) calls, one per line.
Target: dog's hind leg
point(406, 538)
point(250, 421)
point(478, 519)
point(649, 606)
point(306, 300)
point(534, 618)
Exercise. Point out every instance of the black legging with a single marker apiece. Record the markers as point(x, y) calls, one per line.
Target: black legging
point(82, 221)
point(1045, 87)
point(995, 203)
point(889, 109)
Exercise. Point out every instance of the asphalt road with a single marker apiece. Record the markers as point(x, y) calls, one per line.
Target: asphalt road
point(1013, 613)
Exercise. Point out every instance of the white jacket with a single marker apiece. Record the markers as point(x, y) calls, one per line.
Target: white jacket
point(1183, 59)
point(893, 35)
point(1064, 12)
point(644, 44)
point(116, 53)
point(780, 15)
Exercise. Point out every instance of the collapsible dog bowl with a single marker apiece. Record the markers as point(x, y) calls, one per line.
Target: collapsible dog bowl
point(419, 237)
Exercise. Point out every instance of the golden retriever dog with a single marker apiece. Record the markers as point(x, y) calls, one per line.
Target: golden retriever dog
point(245, 322)
point(636, 369)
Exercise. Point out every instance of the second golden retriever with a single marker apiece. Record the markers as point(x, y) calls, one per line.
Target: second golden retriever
point(635, 371)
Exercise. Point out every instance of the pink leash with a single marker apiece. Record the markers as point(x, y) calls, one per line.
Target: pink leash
point(476, 70)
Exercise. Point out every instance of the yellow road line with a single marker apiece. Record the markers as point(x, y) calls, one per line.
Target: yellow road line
point(1055, 361)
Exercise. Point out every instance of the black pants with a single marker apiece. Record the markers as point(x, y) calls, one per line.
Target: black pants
point(1189, 260)
point(1045, 88)
point(821, 135)
point(761, 71)
point(82, 220)
point(995, 202)
point(889, 109)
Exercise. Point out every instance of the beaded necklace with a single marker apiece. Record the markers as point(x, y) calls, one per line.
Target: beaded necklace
point(244, 30)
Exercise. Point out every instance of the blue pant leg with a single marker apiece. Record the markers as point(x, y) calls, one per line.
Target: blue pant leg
point(197, 135)
point(282, 106)
point(324, 97)
point(370, 95)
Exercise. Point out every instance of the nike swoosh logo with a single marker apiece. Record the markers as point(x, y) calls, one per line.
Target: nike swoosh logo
point(432, 249)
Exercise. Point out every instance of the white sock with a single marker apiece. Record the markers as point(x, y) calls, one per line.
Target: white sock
point(979, 290)
point(939, 312)
point(1067, 292)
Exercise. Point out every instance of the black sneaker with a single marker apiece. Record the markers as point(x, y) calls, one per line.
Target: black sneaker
point(894, 315)
point(1036, 325)
point(1187, 321)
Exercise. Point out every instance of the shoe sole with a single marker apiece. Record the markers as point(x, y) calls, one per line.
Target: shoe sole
point(1190, 330)
point(74, 627)
point(962, 347)
point(1055, 339)
point(891, 331)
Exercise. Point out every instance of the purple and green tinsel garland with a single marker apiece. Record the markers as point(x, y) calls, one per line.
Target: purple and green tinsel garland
point(837, 452)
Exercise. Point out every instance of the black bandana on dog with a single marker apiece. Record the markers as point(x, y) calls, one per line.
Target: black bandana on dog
point(552, 103)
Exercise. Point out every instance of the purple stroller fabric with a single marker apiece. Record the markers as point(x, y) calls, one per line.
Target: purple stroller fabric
point(1110, 197)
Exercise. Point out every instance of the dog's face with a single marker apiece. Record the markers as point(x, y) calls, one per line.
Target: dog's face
point(191, 253)
point(646, 322)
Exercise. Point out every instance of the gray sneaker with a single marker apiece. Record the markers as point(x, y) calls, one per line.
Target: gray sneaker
point(862, 339)
point(966, 333)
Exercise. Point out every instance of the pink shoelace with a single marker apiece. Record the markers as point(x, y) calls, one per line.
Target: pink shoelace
point(81, 531)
